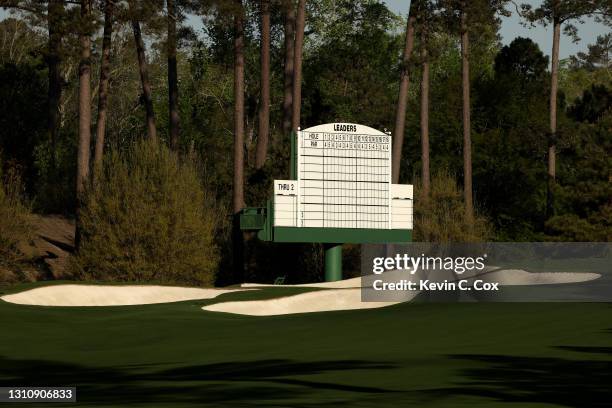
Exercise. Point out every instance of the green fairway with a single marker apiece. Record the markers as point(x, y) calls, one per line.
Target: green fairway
point(437, 354)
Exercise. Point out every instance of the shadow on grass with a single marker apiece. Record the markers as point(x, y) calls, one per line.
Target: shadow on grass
point(254, 383)
point(531, 380)
point(588, 349)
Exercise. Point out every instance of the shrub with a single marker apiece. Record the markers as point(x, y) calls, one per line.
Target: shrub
point(16, 229)
point(441, 216)
point(147, 218)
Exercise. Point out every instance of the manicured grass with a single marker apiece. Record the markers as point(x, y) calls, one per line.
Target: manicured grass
point(420, 354)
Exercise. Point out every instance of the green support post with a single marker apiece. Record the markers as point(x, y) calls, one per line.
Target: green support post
point(333, 262)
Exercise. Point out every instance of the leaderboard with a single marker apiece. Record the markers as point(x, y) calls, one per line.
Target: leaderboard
point(344, 176)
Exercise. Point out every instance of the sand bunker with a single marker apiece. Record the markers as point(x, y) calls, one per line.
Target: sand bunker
point(98, 295)
point(346, 294)
point(505, 277)
point(343, 284)
point(514, 277)
point(319, 301)
point(341, 295)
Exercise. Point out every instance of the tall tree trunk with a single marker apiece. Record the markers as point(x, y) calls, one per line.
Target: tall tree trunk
point(264, 105)
point(238, 193)
point(554, 86)
point(172, 76)
point(84, 146)
point(402, 99)
point(144, 79)
point(103, 86)
point(297, 64)
point(289, 29)
point(467, 127)
point(55, 9)
point(425, 122)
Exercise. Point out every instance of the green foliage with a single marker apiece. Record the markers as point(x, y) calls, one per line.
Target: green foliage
point(148, 219)
point(357, 63)
point(564, 12)
point(570, 227)
point(446, 103)
point(55, 176)
point(598, 56)
point(15, 222)
point(522, 58)
point(22, 115)
point(574, 80)
point(209, 97)
point(441, 216)
point(584, 210)
point(595, 103)
point(509, 144)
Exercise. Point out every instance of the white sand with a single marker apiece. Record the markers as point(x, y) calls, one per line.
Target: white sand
point(517, 277)
point(342, 284)
point(346, 294)
point(341, 295)
point(505, 277)
point(99, 295)
point(319, 301)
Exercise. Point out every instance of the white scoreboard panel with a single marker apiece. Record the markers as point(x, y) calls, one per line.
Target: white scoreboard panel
point(343, 181)
point(285, 203)
point(344, 174)
point(401, 206)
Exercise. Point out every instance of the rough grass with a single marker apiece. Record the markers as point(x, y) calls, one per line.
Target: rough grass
point(441, 216)
point(147, 218)
point(16, 229)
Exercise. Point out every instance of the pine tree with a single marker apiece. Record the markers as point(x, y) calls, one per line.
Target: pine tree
point(55, 14)
point(139, 11)
point(84, 143)
point(264, 104)
point(402, 99)
point(103, 84)
point(425, 26)
point(559, 14)
point(464, 17)
point(467, 121)
point(173, 91)
point(238, 193)
point(297, 64)
point(289, 39)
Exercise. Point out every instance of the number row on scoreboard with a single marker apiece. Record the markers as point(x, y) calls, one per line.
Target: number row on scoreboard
point(346, 137)
point(361, 160)
point(365, 150)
